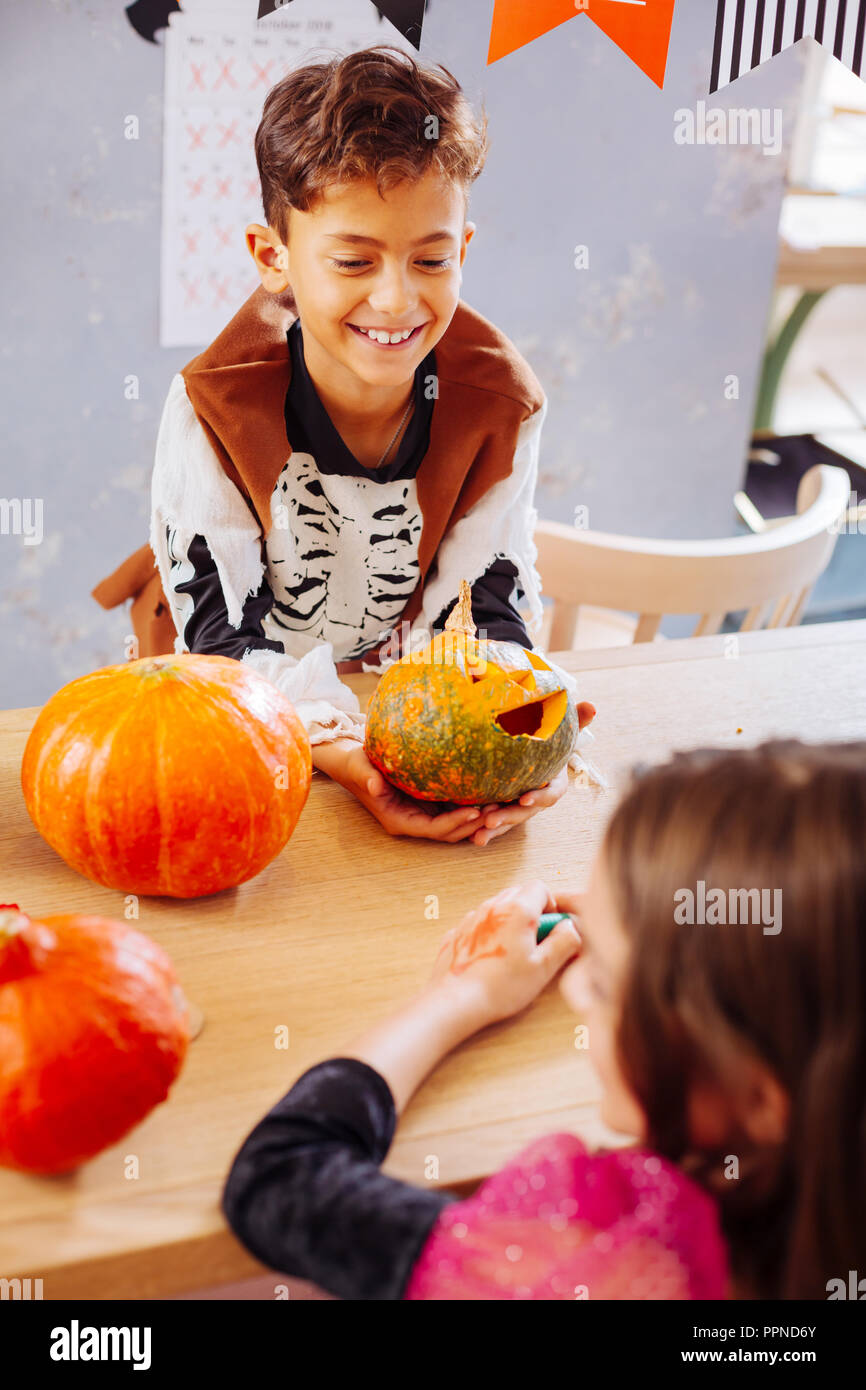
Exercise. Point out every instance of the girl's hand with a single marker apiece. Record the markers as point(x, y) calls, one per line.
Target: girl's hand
point(487, 969)
point(492, 957)
point(347, 763)
point(498, 819)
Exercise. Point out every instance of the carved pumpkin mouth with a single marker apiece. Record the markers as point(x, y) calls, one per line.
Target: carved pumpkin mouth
point(537, 719)
point(521, 716)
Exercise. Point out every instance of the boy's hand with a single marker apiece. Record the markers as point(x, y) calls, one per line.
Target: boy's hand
point(499, 819)
point(492, 959)
point(346, 762)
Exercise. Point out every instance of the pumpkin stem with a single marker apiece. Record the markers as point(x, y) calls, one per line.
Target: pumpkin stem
point(460, 618)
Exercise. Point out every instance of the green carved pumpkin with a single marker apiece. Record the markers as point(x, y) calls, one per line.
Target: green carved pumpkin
point(469, 721)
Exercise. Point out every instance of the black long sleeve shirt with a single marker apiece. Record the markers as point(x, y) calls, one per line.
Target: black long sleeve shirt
point(306, 1196)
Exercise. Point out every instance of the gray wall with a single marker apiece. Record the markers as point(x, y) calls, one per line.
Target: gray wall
point(633, 352)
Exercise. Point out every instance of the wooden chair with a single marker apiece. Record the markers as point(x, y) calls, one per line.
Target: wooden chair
point(771, 575)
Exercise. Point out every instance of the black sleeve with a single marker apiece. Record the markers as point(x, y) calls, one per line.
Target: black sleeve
point(207, 629)
point(306, 1197)
point(493, 596)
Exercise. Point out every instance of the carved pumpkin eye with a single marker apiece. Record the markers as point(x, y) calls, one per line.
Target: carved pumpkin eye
point(497, 675)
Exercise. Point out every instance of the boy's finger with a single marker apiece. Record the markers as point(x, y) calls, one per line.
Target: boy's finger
point(464, 818)
point(548, 794)
point(484, 837)
point(542, 796)
point(585, 714)
point(465, 832)
point(376, 784)
point(513, 816)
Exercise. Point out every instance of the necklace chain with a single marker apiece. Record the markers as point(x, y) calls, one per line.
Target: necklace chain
point(397, 431)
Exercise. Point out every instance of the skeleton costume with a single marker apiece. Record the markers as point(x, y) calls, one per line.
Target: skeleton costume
point(273, 545)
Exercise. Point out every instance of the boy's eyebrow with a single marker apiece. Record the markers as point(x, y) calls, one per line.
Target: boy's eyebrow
point(355, 238)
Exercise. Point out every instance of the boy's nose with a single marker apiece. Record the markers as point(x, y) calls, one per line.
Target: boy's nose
point(392, 294)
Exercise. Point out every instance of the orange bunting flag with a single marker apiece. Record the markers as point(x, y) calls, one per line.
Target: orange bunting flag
point(641, 28)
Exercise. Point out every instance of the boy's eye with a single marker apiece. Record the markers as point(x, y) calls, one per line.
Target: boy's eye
point(442, 264)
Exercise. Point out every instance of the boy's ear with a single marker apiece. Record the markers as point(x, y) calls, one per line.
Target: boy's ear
point(270, 255)
point(468, 233)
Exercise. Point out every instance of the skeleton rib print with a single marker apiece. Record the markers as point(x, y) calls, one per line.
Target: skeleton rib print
point(342, 555)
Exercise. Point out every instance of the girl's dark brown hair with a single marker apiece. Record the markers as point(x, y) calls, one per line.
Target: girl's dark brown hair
point(378, 113)
point(700, 1000)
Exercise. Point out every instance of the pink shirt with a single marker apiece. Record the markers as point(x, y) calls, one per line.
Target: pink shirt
point(560, 1223)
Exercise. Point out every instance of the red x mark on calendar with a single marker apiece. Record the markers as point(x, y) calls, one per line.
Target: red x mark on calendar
point(221, 291)
point(191, 239)
point(262, 73)
point(229, 134)
point(195, 187)
point(225, 236)
point(192, 294)
point(197, 83)
point(225, 75)
point(196, 137)
point(223, 187)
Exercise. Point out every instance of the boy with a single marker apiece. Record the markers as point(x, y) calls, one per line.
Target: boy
point(411, 425)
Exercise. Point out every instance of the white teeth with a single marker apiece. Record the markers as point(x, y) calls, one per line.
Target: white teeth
point(381, 335)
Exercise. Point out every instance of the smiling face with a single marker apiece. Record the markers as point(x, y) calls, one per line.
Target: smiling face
point(360, 263)
point(592, 986)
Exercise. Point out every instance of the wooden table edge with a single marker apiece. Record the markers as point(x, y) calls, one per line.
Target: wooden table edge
point(635, 654)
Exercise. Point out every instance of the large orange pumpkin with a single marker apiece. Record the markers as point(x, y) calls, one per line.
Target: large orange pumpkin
point(470, 721)
point(93, 1031)
point(172, 775)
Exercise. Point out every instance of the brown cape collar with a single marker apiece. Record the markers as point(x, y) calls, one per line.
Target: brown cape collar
point(485, 389)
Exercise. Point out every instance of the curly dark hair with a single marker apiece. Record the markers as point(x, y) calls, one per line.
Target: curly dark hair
point(377, 113)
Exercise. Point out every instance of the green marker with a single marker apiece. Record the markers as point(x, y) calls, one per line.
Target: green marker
point(547, 921)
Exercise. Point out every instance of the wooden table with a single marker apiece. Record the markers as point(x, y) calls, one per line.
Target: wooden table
point(335, 933)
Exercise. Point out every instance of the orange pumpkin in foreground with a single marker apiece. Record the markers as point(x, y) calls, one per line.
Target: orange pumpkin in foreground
point(172, 775)
point(93, 1031)
point(470, 721)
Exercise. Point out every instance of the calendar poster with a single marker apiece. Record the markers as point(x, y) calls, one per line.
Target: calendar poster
point(219, 65)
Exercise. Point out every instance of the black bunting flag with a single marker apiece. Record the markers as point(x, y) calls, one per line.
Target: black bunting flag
point(749, 32)
point(146, 16)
